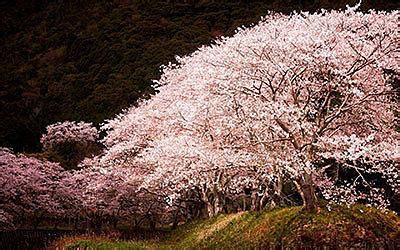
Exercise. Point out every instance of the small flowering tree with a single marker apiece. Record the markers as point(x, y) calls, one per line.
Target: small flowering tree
point(282, 96)
point(70, 142)
point(62, 132)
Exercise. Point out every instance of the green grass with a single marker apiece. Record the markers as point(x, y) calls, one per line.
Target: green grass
point(104, 245)
point(285, 227)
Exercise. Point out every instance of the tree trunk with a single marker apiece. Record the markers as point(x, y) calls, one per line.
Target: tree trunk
point(175, 221)
point(276, 198)
point(152, 223)
point(254, 201)
point(76, 223)
point(217, 203)
point(36, 221)
point(306, 189)
point(210, 210)
point(96, 222)
point(262, 200)
point(209, 205)
point(115, 222)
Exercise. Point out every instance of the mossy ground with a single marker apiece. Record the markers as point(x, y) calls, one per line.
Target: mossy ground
point(356, 226)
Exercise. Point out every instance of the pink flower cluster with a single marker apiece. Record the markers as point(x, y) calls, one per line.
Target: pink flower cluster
point(29, 187)
point(67, 131)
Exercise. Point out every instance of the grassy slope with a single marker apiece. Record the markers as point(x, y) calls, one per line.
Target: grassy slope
point(286, 227)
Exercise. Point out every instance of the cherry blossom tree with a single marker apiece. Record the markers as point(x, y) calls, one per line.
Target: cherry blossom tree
point(100, 191)
point(30, 189)
point(110, 195)
point(280, 97)
point(214, 176)
point(33, 191)
point(70, 142)
point(67, 131)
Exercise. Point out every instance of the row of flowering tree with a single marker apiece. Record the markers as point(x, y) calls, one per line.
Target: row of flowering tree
point(302, 105)
point(307, 99)
point(35, 191)
point(39, 192)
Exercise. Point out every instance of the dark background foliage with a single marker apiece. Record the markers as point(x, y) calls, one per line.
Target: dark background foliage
point(87, 60)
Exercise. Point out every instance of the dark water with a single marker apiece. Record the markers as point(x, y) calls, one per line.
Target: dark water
point(30, 239)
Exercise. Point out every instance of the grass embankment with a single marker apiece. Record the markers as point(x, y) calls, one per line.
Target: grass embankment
point(286, 227)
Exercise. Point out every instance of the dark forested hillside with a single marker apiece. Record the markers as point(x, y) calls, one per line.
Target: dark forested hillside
point(87, 60)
